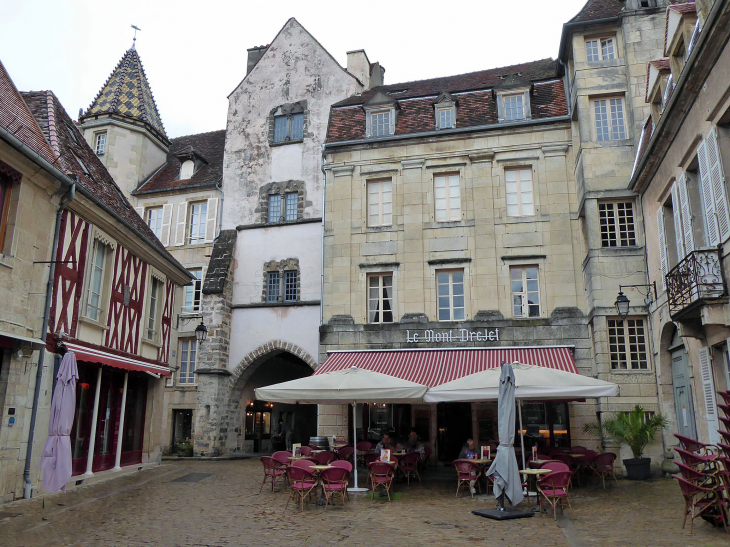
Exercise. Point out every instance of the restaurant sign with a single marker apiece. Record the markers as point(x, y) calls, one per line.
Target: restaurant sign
point(458, 335)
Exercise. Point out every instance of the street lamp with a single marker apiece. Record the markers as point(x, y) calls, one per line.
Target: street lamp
point(622, 304)
point(201, 332)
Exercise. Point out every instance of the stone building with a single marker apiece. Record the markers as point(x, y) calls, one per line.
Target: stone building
point(681, 174)
point(31, 189)
point(109, 301)
point(175, 185)
point(262, 290)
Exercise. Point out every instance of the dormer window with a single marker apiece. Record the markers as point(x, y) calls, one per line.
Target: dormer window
point(380, 123)
point(186, 169)
point(380, 115)
point(445, 109)
point(513, 106)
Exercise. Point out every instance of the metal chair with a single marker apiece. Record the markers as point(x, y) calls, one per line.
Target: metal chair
point(467, 472)
point(554, 488)
point(303, 483)
point(324, 458)
point(362, 448)
point(409, 465)
point(707, 500)
point(272, 472)
point(603, 466)
point(381, 476)
point(334, 481)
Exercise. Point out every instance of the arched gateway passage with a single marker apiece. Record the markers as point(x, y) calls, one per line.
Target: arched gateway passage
point(255, 423)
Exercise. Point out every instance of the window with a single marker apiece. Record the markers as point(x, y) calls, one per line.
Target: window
point(445, 118)
point(187, 169)
point(290, 286)
point(627, 344)
point(100, 144)
point(519, 192)
point(513, 107)
point(292, 201)
point(617, 224)
point(188, 359)
point(609, 119)
point(447, 199)
point(525, 291)
point(274, 208)
point(154, 221)
point(273, 282)
point(450, 295)
point(191, 302)
point(289, 128)
point(380, 298)
point(198, 218)
point(94, 296)
point(380, 203)
point(600, 49)
point(379, 124)
point(153, 309)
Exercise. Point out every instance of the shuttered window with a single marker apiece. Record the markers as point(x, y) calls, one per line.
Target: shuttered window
point(708, 394)
point(662, 245)
point(712, 180)
point(678, 232)
point(686, 208)
point(197, 222)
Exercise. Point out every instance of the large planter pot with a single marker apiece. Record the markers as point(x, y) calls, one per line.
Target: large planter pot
point(638, 469)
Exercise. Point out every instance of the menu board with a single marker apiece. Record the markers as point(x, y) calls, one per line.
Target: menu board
point(296, 450)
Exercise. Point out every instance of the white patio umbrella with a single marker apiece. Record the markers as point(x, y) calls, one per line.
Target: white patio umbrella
point(352, 385)
point(532, 382)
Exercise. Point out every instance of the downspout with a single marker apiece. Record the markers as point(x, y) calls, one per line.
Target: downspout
point(566, 80)
point(220, 207)
point(321, 276)
point(68, 198)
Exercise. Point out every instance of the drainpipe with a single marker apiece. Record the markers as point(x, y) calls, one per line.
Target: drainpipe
point(68, 198)
point(220, 207)
point(566, 80)
point(321, 277)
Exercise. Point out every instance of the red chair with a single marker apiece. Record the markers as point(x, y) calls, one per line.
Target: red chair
point(707, 500)
point(334, 481)
point(603, 466)
point(303, 483)
point(467, 472)
point(342, 464)
point(346, 453)
point(691, 445)
point(282, 457)
point(725, 449)
point(725, 434)
point(304, 463)
point(306, 450)
point(324, 458)
point(724, 408)
point(725, 421)
point(725, 396)
point(427, 456)
point(381, 476)
point(698, 461)
point(705, 480)
point(570, 461)
point(578, 450)
point(554, 488)
point(272, 472)
point(409, 465)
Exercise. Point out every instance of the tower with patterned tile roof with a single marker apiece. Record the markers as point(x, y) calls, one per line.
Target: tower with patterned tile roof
point(123, 126)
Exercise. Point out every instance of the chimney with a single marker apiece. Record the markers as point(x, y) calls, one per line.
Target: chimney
point(358, 65)
point(254, 54)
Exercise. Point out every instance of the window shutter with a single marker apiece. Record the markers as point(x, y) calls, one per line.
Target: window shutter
point(391, 119)
point(678, 232)
point(211, 221)
point(662, 245)
point(140, 211)
point(689, 240)
point(717, 178)
point(707, 195)
point(166, 221)
point(182, 219)
point(708, 395)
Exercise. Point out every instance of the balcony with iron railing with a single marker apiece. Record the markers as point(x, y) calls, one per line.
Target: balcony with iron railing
point(695, 281)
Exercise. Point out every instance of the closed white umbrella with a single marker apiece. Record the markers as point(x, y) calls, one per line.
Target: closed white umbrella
point(353, 385)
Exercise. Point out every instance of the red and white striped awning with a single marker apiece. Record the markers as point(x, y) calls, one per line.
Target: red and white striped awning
point(93, 355)
point(433, 367)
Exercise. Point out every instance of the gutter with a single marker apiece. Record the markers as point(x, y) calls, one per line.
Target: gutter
point(567, 27)
point(455, 131)
point(678, 90)
point(68, 198)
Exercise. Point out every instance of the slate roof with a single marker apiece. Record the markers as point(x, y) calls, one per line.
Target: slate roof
point(16, 118)
point(598, 9)
point(127, 93)
point(208, 145)
point(77, 157)
point(476, 104)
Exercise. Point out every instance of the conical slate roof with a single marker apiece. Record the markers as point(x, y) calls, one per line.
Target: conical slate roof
point(127, 93)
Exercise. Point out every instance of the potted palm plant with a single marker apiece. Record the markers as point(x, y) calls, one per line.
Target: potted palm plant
point(635, 429)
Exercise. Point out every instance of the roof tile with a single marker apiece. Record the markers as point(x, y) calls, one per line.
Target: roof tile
point(598, 9)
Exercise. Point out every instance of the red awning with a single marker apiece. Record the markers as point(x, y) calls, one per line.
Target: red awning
point(92, 355)
point(433, 367)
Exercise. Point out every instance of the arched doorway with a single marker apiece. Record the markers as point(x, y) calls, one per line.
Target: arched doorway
point(255, 423)
point(683, 403)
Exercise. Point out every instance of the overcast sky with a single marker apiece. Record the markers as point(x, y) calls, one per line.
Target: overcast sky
point(194, 53)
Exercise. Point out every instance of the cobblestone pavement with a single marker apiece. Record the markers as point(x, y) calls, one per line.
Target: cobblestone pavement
point(225, 509)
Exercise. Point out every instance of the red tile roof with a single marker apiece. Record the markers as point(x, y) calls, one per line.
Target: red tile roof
point(662, 65)
point(598, 9)
point(78, 158)
point(687, 7)
point(476, 105)
point(208, 145)
point(16, 118)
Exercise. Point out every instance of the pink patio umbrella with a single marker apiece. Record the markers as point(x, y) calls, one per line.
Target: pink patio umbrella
point(56, 457)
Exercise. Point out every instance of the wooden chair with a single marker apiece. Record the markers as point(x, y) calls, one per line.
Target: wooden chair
point(603, 466)
point(334, 482)
point(554, 488)
point(381, 476)
point(272, 471)
point(467, 472)
point(303, 483)
point(409, 465)
point(700, 501)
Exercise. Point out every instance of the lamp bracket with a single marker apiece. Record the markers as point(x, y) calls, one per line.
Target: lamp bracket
point(647, 286)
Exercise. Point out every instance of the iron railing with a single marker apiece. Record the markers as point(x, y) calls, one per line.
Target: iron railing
point(697, 277)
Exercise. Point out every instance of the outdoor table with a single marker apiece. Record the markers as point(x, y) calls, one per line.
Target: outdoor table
point(532, 475)
point(293, 458)
point(318, 451)
point(538, 463)
point(320, 487)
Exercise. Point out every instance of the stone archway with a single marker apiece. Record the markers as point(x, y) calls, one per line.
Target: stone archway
point(257, 356)
point(665, 385)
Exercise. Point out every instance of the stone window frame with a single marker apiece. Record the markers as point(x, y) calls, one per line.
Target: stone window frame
point(281, 266)
point(599, 38)
point(282, 189)
point(522, 268)
point(190, 379)
point(368, 299)
point(465, 295)
point(526, 108)
point(100, 142)
point(624, 347)
point(516, 164)
point(160, 298)
point(608, 234)
point(392, 120)
point(624, 113)
point(288, 109)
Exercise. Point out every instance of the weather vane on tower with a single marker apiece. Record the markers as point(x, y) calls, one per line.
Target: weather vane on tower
point(134, 40)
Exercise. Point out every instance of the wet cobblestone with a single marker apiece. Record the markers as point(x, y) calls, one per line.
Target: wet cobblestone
point(225, 509)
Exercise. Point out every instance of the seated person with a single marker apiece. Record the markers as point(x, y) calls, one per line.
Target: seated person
point(412, 444)
point(386, 442)
point(468, 451)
